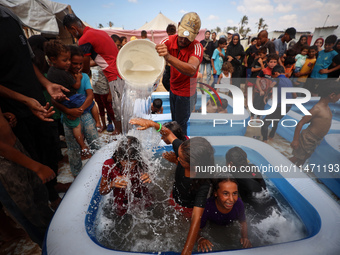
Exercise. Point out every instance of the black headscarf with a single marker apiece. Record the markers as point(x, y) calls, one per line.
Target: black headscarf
point(235, 50)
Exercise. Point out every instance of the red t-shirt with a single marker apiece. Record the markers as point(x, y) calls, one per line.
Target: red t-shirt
point(102, 49)
point(139, 190)
point(265, 77)
point(181, 84)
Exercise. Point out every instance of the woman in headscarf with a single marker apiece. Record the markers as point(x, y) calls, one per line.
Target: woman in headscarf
point(235, 55)
point(298, 46)
point(319, 43)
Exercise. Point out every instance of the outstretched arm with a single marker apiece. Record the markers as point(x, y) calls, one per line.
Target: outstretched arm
point(42, 112)
point(193, 231)
point(244, 235)
point(145, 124)
point(55, 90)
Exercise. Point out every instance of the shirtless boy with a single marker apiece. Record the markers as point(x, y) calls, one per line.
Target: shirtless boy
point(305, 143)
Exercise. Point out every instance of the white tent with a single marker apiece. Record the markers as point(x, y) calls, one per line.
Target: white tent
point(43, 16)
point(160, 22)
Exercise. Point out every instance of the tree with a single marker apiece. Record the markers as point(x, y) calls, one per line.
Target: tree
point(261, 25)
point(110, 24)
point(100, 25)
point(243, 30)
point(235, 29)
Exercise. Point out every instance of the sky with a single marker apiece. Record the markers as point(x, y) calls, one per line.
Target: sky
point(304, 15)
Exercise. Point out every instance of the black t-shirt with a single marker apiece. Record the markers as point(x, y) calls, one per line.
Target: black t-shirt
point(62, 77)
point(250, 53)
point(209, 50)
point(16, 66)
point(183, 191)
point(256, 64)
point(336, 73)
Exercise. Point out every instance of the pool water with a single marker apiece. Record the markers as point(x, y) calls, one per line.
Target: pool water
point(160, 228)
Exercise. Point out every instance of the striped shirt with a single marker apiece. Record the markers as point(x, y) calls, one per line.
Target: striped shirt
point(181, 84)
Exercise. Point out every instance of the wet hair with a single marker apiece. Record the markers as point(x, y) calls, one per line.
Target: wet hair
point(171, 29)
point(71, 19)
point(278, 69)
point(128, 149)
point(331, 39)
point(157, 103)
point(116, 38)
point(272, 56)
point(198, 152)
point(75, 51)
point(222, 41)
point(289, 60)
point(227, 66)
point(176, 129)
point(328, 88)
point(227, 178)
point(236, 156)
point(54, 48)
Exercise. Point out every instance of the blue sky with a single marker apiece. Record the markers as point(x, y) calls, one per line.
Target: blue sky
point(304, 15)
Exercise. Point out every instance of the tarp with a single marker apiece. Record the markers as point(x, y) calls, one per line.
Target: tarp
point(154, 35)
point(40, 15)
point(160, 22)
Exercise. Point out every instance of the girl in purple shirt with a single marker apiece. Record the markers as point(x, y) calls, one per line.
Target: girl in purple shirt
point(223, 208)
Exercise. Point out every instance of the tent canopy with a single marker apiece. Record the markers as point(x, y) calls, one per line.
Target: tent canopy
point(43, 16)
point(40, 15)
point(160, 22)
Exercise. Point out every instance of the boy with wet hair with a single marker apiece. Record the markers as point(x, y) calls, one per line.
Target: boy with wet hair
point(156, 106)
point(305, 142)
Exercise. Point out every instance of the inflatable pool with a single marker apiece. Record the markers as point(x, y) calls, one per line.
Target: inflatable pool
point(70, 231)
point(219, 124)
point(325, 162)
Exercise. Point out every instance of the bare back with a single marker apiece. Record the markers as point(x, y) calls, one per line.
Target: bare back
point(321, 120)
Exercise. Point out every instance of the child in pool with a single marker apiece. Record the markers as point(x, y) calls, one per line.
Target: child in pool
point(60, 57)
point(126, 166)
point(223, 208)
point(250, 183)
point(189, 194)
point(156, 106)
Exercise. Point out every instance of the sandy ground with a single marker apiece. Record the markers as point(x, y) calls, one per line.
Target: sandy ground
point(24, 246)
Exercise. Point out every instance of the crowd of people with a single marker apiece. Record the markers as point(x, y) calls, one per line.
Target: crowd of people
point(30, 141)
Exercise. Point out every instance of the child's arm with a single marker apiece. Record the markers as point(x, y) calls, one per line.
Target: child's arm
point(219, 78)
point(70, 112)
point(258, 86)
point(78, 78)
point(323, 71)
point(203, 244)
point(10, 153)
point(213, 66)
point(145, 124)
point(244, 235)
point(197, 213)
point(305, 119)
point(106, 185)
point(170, 156)
point(55, 90)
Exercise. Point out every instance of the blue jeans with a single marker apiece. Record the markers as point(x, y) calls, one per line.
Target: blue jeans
point(181, 108)
point(88, 127)
point(206, 66)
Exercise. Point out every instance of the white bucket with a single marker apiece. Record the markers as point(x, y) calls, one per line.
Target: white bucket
point(139, 64)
